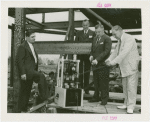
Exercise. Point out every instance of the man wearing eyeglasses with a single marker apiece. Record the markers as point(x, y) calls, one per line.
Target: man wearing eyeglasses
point(127, 57)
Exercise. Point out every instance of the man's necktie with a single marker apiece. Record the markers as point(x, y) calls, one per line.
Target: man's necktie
point(85, 32)
point(98, 39)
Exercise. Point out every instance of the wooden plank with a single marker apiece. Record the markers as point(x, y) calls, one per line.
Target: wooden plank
point(33, 22)
point(98, 17)
point(71, 25)
point(92, 109)
point(63, 47)
point(47, 10)
point(95, 107)
point(41, 105)
point(63, 25)
point(50, 32)
point(19, 35)
point(12, 56)
point(135, 33)
point(43, 17)
point(113, 96)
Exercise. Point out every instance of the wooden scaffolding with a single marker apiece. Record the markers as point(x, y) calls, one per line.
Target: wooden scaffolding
point(108, 17)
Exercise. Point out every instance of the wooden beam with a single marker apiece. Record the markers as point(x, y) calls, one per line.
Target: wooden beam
point(63, 47)
point(11, 11)
point(32, 27)
point(19, 35)
point(132, 33)
point(43, 17)
point(12, 56)
point(98, 17)
point(63, 25)
point(33, 22)
point(47, 10)
point(50, 32)
point(135, 33)
point(71, 25)
point(116, 96)
point(41, 105)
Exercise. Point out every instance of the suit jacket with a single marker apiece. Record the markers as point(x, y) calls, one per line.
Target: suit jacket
point(81, 37)
point(128, 57)
point(101, 50)
point(25, 60)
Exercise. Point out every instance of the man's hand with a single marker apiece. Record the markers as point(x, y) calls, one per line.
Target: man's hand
point(91, 58)
point(94, 62)
point(23, 77)
point(108, 63)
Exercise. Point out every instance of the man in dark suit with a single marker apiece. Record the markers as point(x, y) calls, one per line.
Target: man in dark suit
point(100, 51)
point(27, 64)
point(85, 35)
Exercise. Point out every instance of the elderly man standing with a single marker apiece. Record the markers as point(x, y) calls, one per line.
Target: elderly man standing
point(100, 51)
point(127, 57)
point(85, 35)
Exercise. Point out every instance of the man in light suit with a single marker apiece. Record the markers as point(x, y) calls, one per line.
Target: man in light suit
point(127, 57)
point(100, 51)
point(85, 35)
point(27, 64)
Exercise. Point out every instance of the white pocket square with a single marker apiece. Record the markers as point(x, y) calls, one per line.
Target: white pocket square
point(101, 43)
point(90, 36)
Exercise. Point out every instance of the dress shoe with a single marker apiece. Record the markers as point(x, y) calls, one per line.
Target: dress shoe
point(129, 111)
point(93, 100)
point(122, 107)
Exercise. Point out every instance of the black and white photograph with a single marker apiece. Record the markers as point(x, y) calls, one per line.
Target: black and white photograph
point(75, 60)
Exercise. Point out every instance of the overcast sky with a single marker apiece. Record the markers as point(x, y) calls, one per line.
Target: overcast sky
point(55, 17)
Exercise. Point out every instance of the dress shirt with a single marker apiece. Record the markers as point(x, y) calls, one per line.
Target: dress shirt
point(86, 31)
point(33, 52)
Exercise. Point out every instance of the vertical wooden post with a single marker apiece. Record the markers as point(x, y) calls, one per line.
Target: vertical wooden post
point(43, 17)
point(71, 32)
point(19, 36)
point(109, 34)
point(12, 57)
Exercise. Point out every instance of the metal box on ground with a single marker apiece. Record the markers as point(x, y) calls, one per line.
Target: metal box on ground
point(68, 97)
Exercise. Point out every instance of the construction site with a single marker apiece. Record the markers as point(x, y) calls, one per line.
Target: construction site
point(128, 19)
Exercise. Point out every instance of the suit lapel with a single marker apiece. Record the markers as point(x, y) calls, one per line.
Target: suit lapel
point(96, 45)
point(28, 48)
point(36, 54)
point(82, 34)
point(122, 43)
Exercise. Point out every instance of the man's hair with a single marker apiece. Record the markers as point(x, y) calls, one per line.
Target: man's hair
point(86, 21)
point(99, 26)
point(29, 32)
point(116, 28)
